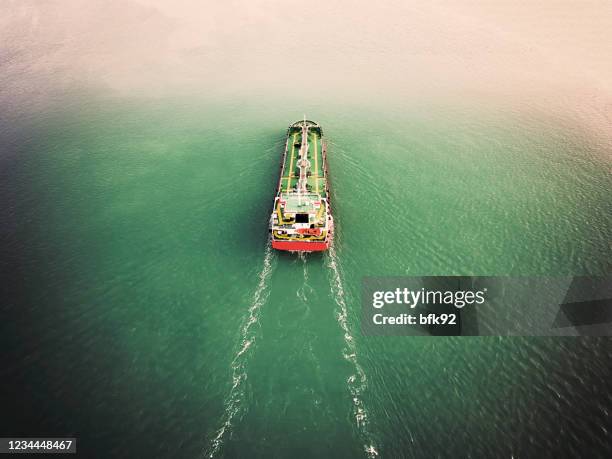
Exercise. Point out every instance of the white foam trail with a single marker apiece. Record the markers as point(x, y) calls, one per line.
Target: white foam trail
point(305, 290)
point(239, 363)
point(357, 382)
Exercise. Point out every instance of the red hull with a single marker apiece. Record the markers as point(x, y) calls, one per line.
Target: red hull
point(299, 246)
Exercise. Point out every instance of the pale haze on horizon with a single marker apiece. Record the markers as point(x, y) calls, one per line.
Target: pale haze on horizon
point(500, 50)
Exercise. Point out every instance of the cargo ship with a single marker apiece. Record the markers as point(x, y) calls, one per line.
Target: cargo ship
point(301, 219)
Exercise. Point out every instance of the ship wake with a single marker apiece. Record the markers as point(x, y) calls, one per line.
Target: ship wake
point(356, 382)
point(232, 406)
point(305, 290)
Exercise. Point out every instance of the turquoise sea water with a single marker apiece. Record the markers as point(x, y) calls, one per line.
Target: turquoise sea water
point(146, 315)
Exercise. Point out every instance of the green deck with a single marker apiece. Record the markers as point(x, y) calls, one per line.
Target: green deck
point(296, 204)
point(316, 181)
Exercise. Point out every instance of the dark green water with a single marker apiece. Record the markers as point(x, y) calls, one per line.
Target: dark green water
point(146, 316)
